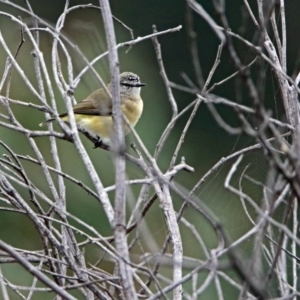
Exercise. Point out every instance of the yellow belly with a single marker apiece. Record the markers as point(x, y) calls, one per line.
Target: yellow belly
point(102, 126)
point(96, 125)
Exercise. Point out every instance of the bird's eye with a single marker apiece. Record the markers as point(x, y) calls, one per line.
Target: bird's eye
point(132, 78)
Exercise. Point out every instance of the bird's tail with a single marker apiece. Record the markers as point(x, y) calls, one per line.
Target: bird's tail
point(47, 121)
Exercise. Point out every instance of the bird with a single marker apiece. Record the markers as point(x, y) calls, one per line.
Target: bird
point(94, 113)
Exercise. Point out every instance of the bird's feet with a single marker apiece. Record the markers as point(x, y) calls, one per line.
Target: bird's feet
point(100, 144)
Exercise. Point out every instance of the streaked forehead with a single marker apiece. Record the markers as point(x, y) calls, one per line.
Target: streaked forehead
point(129, 76)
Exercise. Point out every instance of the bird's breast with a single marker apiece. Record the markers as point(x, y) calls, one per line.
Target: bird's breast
point(102, 126)
point(132, 109)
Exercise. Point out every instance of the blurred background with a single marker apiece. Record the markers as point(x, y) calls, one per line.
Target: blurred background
point(205, 143)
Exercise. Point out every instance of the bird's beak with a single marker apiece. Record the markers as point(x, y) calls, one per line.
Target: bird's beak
point(140, 84)
point(131, 84)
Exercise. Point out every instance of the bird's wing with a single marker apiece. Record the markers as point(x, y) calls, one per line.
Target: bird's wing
point(86, 107)
point(98, 103)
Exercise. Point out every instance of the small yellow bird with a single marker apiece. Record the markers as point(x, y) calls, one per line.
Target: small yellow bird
point(94, 114)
